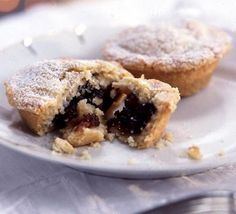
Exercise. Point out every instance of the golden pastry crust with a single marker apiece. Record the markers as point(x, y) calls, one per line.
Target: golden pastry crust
point(162, 96)
point(62, 146)
point(188, 82)
point(86, 136)
point(86, 97)
point(171, 52)
point(78, 135)
point(42, 90)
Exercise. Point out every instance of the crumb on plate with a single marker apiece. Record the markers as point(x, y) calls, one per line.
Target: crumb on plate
point(131, 141)
point(194, 153)
point(62, 146)
point(132, 161)
point(110, 137)
point(221, 153)
point(85, 155)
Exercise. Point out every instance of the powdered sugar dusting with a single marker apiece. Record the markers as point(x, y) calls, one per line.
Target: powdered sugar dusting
point(170, 44)
point(41, 83)
point(37, 84)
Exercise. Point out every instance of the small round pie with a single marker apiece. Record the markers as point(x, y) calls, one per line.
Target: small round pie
point(183, 54)
point(89, 100)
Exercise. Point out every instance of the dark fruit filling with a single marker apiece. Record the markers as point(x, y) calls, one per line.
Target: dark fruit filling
point(60, 120)
point(88, 121)
point(88, 92)
point(133, 118)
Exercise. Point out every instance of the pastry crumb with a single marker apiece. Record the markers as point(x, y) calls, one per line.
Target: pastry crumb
point(110, 136)
point(85, 136)
point(131, 141)
point(221, 153)
point(194, 153)
point(85, 155)
point(132, 161)
point(62, 146)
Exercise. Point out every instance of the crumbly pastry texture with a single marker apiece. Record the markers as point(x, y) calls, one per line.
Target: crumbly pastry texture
point(62, 146)
point(182, 53)
point(42, 83)
point(44, 89)
point(89, 101)
point(194, 153)
point(163, 97)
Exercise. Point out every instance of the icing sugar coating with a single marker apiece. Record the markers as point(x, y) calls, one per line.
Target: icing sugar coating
point(180, 45)
point(42, 83)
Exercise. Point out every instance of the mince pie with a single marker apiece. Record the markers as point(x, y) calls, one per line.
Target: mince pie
point(182, 53)
point(141, 111)
point(88, 100)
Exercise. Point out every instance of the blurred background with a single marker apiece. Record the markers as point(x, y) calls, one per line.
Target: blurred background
point(24, 18)
point(12, 6)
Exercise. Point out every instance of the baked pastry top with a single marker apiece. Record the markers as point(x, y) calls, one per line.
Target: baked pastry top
point(45, 89)
point(171, 46)
point(89, 100)
point(42, 83)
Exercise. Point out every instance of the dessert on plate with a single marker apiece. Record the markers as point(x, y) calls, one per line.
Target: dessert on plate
point(182, 53)
point(90, 99)
point(146, 109)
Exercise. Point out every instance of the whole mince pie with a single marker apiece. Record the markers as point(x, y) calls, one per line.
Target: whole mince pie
point(90, 99)
point(183, 53)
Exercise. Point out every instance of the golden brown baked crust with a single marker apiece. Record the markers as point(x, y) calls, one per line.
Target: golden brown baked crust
point(44, 91)
point(78, 135)
point(188, 82)
point(41, 91)
point(171, 52)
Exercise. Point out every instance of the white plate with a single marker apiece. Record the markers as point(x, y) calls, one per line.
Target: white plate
point(207, 119)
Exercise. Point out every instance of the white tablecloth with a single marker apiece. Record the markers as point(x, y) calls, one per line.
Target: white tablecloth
point(28, 185)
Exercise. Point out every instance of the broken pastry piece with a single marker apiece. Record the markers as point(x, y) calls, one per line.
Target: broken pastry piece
point(144, 110)
point(90, 100)
point(88, 127)
point(62, 146)
point(47, 93)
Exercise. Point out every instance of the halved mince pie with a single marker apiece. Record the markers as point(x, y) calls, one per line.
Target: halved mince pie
point(141, 111)
point(87, 100)
point(182, 53)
